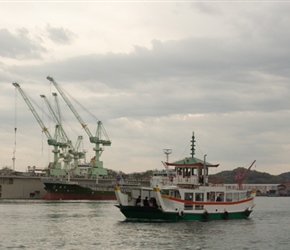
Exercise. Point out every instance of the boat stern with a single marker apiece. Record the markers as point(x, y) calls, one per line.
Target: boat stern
point(122, 198)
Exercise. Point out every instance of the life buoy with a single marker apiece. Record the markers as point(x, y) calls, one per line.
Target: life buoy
point(181, 213)
point(226, 215)
point(247, 213)
point(205, 215)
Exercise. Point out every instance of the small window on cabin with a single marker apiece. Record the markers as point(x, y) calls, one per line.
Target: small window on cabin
point(229, 197)
point(235, 196)
point(188, 196)
point(164, 192)
point(210, 196)
point(192, 171)
point(198, 196)
point(243, 196)
point(177, 194)
point(179, 171)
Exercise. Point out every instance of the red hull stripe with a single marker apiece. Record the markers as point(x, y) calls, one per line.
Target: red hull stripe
point(211, 202)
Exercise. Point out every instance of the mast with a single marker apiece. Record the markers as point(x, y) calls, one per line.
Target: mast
point(192, 145)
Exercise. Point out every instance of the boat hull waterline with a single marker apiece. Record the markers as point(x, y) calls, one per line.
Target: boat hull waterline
point(151, 213)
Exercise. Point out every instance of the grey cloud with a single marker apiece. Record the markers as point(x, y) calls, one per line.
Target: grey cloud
point(60, 35)
point(185, 76)
point(206, 8)
point(19, 45)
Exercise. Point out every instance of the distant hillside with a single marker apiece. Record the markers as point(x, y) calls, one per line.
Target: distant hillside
point(252, 176)
point(227, 177)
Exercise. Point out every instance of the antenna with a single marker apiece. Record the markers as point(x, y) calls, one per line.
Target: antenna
point(167, 152)
point(15, 130)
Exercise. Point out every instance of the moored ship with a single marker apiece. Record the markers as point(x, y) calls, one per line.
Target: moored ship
point(70, 190)
point(85, 189)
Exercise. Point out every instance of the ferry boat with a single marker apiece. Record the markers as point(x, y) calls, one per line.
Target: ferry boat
point(184, 193)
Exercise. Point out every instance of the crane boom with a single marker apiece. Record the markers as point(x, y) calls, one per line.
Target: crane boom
point(68, 102)
point(96, 164)
point(239, 177)
point(51, 141)
point(56, 120)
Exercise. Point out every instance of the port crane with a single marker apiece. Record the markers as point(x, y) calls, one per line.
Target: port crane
point(55, 166)
point(239, 177)
point(95, 164)
point(70, 150)
point(75, 151)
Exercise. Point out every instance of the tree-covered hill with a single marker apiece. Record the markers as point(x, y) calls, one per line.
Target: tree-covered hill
point(252, 176)
point(227, 177)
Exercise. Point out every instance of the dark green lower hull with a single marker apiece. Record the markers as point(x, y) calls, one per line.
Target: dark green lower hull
point(152, 213)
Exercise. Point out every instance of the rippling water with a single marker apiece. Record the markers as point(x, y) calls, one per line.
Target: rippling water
point(100, 225)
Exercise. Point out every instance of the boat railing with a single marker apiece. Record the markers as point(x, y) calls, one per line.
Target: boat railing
point(173, 180)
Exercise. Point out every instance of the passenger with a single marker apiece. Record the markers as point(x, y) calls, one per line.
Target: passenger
point(201, 179)
point(197, 198)
point(219, 198)
point(138, 201)
point(146, 202)
point(153, 202)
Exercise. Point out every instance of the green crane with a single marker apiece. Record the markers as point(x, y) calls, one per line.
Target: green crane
point(70, 150)
point(55, 166)
point(96, 165)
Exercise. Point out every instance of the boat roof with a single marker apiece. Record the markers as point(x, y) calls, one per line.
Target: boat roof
point(190, 161)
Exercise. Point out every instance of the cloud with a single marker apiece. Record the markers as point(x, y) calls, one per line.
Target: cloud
point(19, 46)
point(218, 70)
point(60, 35)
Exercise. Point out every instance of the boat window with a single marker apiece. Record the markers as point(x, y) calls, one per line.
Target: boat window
point(229, 196)
point(188, 197)
point(198, 196)
point(174, 193)
point(187, 172)
point(164, 192)
point(192, 171)
point(243, 196)
point(235, 196)
point(210, 196)
point(220, 196)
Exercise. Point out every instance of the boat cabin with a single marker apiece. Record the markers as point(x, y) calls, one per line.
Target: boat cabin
point(183, 175)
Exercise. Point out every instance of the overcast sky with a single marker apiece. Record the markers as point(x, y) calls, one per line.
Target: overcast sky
point(152, 72)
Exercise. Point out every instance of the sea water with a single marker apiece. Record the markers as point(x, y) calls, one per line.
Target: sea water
point(99, 225)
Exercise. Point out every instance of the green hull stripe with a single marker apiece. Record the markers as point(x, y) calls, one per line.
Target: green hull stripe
point(150, 213)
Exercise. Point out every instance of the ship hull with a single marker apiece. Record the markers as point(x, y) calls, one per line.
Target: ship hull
point(73, 191)
point(152, 213)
